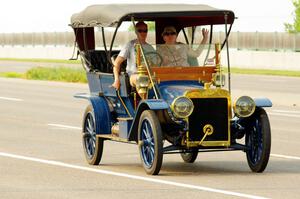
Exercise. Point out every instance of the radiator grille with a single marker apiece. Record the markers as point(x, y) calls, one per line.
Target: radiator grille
point(213, 111)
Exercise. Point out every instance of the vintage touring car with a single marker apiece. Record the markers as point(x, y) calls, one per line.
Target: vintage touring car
point(172, 109)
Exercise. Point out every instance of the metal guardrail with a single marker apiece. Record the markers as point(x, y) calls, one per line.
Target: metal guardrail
point(274, 41)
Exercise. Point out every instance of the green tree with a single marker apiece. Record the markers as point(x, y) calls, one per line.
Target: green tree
point(295, 27)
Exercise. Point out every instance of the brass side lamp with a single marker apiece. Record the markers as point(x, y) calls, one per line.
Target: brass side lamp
point(142, 81)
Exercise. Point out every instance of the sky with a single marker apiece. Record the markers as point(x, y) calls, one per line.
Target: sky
point(54, 16)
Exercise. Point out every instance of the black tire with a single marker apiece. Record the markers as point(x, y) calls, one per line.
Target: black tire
point(150, 142)
point(92, 145)
point(189, 157)
point(258, 141)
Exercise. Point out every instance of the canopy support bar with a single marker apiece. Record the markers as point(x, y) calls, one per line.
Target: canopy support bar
point(104, 42)
point(227, 50)
point(112, 43)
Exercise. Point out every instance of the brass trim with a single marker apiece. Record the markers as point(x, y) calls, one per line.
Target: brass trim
point(173, 109)
point(140, 50)
point(135, 100)
point(207, 85)
point(115, 129)
point(124, 118)
point(218, 56)
point(114, 138)
point(224, 143)
point(141, 73)
point(169, 73)
point(209, 93)
point(206, 134)
point(234, 106)
point(218, 69)
point(149, 74)
point(156, 92)
point(208, 129)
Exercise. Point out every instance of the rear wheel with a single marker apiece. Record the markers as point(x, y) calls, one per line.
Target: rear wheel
point(258, 141)
point(92, 145)
point(150, 142)
point(189, 157)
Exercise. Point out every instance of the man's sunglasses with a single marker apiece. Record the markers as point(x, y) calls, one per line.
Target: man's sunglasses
point(169, 33)
point(141, 30)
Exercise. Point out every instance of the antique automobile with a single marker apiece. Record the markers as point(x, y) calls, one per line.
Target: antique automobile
point(173, 109)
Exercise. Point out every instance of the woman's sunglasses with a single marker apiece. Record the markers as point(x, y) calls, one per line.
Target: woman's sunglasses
point(169, 33)
point(141, 30)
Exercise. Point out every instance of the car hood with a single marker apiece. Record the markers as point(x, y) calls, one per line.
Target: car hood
point(172, 89)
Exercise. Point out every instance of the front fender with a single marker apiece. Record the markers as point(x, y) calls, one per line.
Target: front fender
point(151, 104)
point(262, 102)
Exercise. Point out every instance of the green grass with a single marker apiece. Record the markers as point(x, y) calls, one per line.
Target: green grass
point(12, 75)
point(264, 72)
point(62, 61)
point(62, 74)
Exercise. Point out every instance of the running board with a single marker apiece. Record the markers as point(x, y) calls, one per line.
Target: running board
point(115, 138)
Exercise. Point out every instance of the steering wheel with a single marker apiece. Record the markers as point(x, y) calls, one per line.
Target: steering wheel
point(154, 58)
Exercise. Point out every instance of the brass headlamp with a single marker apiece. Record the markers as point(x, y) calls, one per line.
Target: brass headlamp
point(218, 79)
point(182, 107)
point(244, 106)
point(142, 80)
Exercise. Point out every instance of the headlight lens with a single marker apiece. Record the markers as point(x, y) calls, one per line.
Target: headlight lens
point(142, 81)
point(244, 106)
point(182, 107)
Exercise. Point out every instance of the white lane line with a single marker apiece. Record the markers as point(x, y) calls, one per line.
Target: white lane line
point(285, 156)
point(284, 111)
point(286, 141)
point(11, 99)
point(281, 114)
point(135, 177)
point(64, 126)
point(77, 128)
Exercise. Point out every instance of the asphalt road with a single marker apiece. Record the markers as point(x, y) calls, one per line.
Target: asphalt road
point(41, 154)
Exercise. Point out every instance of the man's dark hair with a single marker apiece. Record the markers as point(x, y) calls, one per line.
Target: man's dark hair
point(140, 23)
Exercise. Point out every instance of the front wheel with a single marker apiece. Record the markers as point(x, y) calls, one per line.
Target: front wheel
point(258, 141)
point(92, 145)
point(150, 142)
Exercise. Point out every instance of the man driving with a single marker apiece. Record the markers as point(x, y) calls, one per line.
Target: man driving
point(128, 53)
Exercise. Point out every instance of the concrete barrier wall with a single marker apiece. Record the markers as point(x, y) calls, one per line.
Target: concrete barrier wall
point(238, 58)
point(248, 50)
point(263, 59)
point(45, 52)
point(276, 41)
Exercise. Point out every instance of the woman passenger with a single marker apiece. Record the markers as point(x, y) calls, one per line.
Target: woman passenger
point(175, 53)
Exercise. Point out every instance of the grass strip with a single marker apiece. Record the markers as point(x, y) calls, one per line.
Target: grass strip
point(264, 72)
point(12, 75)
point(67, 74)
point(60, 61)
point(63, 74)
